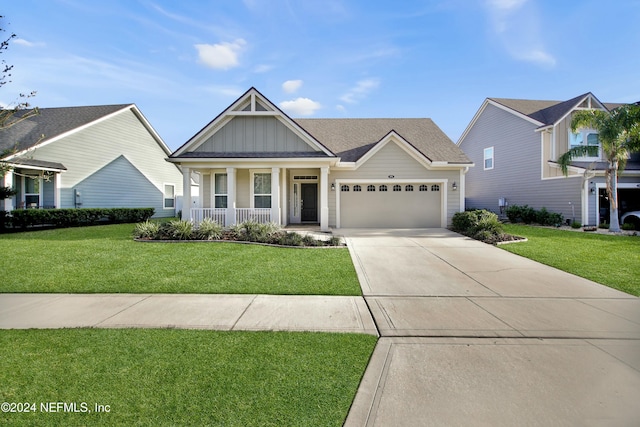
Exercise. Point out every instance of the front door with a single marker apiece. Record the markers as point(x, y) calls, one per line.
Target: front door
point(309, 196)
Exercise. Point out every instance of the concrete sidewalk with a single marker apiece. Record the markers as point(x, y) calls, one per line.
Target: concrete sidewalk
point(474, 335)
point(219, 312)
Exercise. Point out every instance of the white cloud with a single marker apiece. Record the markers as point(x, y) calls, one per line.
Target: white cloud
point(226, 91)
point(263, 68)
point(300, 106)
point(517, 26)
point(360, 91)
point(221, 56)
point(23, 42)
point(291, 86)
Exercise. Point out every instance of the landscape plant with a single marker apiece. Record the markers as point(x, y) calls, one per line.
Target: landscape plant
point(479, 224)
point(619, 136)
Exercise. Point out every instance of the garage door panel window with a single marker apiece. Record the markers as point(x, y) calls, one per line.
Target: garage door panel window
point(357, 188)
point(371, 188)
point(383, 188)
point(424, 188)
point(344, 188)
point(397, 188)
point(435, 187)
point(408, 188)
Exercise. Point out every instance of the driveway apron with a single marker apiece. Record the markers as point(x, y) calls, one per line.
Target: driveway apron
point(474, 335)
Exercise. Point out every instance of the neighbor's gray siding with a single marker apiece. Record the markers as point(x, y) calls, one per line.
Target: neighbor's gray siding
point(253, 135)
point(516, 175)
point(91, 150)
point(48, 193)
point(98, 192)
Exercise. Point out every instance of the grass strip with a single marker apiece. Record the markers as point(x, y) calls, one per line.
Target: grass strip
point(181, 377)
point(105, 259)
point(611, 260)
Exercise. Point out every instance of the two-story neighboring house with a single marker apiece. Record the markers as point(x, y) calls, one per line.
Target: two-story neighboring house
point(515, 144)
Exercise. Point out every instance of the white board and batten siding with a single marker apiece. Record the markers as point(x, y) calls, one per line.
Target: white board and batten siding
point(114, 163)
point(517, 163)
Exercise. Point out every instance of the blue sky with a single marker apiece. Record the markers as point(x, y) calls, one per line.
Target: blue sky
point(183, 62)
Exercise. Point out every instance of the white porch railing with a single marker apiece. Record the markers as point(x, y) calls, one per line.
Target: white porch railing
point(217, 214)
point(261, 215)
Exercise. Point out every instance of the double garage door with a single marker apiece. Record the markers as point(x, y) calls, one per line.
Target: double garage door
point(406, 205)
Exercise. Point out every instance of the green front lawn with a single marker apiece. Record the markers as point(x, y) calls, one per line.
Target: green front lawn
point(106, 259)
point(613, 261)
point(181, 377)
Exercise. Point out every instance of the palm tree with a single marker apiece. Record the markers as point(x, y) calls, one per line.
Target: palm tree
point(619, 135)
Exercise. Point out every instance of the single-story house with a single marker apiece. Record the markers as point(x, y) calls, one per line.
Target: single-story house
point(255, 162)
point(103, 156)
point(517, 142)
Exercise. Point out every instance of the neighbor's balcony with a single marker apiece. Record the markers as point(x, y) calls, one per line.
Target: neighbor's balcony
point(219, 215)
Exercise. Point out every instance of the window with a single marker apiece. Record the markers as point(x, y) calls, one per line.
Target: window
point(261, 190)
point(408, 188)
point(383, 188)
point(424, 188)
point(435, 187)
point(371, 188)
point(357, 188)
point(220, 190)
point(169, 196)
point(32, 192)
point(488, 158)
point(397, 187)
point(344, 188)
point(588, 138)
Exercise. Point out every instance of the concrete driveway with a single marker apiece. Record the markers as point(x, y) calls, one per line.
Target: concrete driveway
point(474, 335)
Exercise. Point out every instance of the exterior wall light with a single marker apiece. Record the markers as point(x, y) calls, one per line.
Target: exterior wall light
point(333, 186)
point(454, 186)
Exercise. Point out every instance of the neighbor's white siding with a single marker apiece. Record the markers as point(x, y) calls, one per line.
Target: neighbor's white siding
point(94, 149)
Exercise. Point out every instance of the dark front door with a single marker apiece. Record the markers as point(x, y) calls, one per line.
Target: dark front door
point(309, 194)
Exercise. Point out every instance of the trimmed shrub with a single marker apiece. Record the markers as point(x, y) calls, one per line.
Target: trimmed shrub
point(528, 215)
point(334, 241)
point(61, 218)
point(290, 239)
point(628, 226)
point(208, 229)
point(478, 224)
point(576, 224)
point(253, 231)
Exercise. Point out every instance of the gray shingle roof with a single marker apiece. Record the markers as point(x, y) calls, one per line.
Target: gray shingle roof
point(546, 112)
point(350, 139)
point(248, 155)
point(38, 163)
point(51, 122)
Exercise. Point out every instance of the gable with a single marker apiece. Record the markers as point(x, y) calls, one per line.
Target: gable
point(254, 134)
point(392, 157)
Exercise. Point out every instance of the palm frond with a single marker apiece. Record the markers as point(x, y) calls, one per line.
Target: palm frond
point(579, 151)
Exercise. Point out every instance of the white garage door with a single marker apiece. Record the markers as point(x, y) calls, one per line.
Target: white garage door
point(403, 205)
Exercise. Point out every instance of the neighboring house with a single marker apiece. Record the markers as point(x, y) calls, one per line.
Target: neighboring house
point(255, 162)
point(515, 144)
point(89, 157)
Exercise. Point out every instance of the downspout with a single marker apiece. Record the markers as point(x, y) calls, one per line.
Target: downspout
point(462, 188)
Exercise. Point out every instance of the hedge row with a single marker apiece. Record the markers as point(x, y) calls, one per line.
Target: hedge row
point(529, 215)
point(61, 218)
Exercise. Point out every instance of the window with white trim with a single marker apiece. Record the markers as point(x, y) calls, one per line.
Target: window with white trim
point(220, 190)
point(488, 158)
point(169, 196)
point(588, 138)
point(262, 190)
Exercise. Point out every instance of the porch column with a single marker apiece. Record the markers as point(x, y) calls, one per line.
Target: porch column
point(8, 182)
point(324, 199)
point(57, 180)
point(230, 218)
point(186, 193)
point(275, 195)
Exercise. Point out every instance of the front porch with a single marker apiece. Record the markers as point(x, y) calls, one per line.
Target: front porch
point(229, 195)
